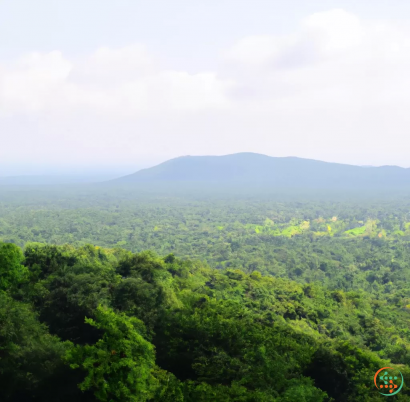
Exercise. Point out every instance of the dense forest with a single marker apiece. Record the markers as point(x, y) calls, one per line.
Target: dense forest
point(252, 300)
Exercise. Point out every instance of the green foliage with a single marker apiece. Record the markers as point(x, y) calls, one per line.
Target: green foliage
point(252, 301)
point(303, 391)
point(119, 366)
point(11, 270)
point(167, 329)
point(31, 363)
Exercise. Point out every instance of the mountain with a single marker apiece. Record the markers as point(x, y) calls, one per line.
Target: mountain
point(257, 169)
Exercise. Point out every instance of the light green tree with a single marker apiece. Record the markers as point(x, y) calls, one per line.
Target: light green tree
point(11, 270)
point(120, 365)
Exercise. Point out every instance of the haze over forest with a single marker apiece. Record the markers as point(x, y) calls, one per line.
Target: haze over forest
point(243, 169)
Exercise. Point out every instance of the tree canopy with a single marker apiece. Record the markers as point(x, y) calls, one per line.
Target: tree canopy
point(94, 324)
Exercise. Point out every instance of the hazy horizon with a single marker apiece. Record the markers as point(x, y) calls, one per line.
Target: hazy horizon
point(101, 173)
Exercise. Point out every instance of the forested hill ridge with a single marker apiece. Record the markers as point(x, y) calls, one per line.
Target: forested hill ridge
point(91, 324)
point(283, 172)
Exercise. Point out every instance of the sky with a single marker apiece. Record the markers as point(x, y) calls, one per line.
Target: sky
point(114, 86)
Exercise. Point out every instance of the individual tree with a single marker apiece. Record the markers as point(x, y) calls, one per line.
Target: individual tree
point(11, 270)
point(119, 367)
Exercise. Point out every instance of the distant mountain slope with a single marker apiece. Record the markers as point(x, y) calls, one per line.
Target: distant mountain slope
point(273, 171)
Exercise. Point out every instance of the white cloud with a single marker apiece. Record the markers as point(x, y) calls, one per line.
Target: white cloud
point(334, 57)
point(335, 31)
point(118, 82)
point(338, 88)
point(108, 67)
point(29, 83)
